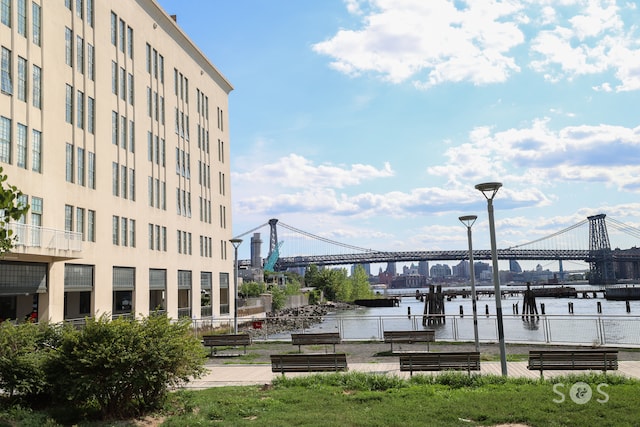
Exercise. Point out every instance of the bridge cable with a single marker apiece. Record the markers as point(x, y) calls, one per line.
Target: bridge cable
point(584, 221)
point(324, 239)
point(251, 231)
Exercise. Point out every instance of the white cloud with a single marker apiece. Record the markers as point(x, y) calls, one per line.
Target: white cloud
point(483, 41)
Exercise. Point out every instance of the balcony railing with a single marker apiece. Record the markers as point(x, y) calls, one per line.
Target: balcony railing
point(30, 236)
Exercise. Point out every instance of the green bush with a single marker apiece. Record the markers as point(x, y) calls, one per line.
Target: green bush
point(124, 367)
point(252, 289)
point(22, 358)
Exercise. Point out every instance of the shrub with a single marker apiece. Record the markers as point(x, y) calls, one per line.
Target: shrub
point(22, 358)
point(124, 367)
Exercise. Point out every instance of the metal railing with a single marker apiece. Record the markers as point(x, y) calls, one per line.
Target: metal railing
point(31, 236)
point(545, 329)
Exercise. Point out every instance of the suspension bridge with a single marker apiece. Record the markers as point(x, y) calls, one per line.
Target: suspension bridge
point(573, 243)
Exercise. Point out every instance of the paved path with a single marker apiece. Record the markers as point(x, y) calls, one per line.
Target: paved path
point(258, 374)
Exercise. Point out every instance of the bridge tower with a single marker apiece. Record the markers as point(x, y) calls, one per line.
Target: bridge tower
point(273, 240)
point(600, 255)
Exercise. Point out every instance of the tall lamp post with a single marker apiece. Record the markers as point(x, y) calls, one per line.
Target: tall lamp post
point(468, 221)
point(489, 190)
point(236, 243)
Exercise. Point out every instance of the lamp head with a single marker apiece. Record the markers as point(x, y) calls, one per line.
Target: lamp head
point(489, 189)
point(468, 220)
point(235, 242)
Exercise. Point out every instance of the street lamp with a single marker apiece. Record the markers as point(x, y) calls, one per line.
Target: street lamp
point(489, 190)
point(468, 221)
point(236, 243)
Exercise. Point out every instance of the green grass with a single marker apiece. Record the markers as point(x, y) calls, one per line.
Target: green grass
point(360, 399)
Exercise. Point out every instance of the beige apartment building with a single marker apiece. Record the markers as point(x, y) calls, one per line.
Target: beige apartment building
point(114, 125)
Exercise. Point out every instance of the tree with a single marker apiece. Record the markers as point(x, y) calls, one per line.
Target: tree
point(10, 209)
point(360, 284)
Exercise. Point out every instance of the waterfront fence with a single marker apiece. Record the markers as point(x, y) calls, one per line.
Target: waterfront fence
point(602, 330)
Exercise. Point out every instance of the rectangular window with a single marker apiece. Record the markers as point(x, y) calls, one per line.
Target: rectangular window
point(22, 17)
point(124, 231)
point(90, 12)
point(132, 134)
point(79, 8)
point(115, 182)
point(123, 83)
point(151, 236)
point(68, 47)
point(161, 67)
point(5, 140)
point(37, 23)
point(132, 233)
point(121, 35)
point(91, 171)
point(123, 181)
point(7, 85)
point(91, 115)
point(130, 87)
point(80, 221)
point(114, 128)
point(114, 77)
point(37, 75)
point(5, 12)
point(22, 79)
point(90, 62)
point(68, 116)
point(123, 132)
point(69, 163)
point(80, 54)
point(130, 42)
point(114, 29)
point(80, 161)
point(132, 184)
point(115, 230)
point(68, 218)
point(80, 110)
point(36, 151)
point(91, 225)
point(21, 146)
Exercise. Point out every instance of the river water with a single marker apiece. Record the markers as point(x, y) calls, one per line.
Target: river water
point(613, 326)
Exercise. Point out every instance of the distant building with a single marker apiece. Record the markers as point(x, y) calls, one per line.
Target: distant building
point(423, 268)
point(440, 271)
point(408, 281)
point(514, 266)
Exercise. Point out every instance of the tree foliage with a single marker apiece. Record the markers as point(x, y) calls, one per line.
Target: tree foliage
point(10, 209)
point(337, 286)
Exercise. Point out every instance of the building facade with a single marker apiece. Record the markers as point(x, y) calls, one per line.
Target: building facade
point(114, 125)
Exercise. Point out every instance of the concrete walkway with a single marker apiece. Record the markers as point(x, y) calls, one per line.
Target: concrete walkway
point(259, 374)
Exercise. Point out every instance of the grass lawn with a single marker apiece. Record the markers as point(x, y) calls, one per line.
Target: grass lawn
point(359, 399)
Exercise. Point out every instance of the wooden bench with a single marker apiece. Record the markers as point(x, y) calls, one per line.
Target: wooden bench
point(575, 360)
point(308, 362)
point(318, 338)
point(226, 340)
point(455, 361)
point(410, 337)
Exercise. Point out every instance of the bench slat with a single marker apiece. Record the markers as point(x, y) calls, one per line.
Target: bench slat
point(316, 338)
point(308, 362)
point(223, 340)
point(604, 360)
point(410, 337)
point(467, 361)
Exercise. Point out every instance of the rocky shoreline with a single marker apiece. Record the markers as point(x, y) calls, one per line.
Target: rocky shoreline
point(298, 318)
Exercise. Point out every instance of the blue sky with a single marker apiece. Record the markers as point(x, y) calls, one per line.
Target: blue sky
point(369, 122)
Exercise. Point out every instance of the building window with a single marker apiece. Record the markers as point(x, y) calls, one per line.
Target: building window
point(80, 54)
point(114, 29)
point(5, 140)
point(36, 151)
point(130, 42)
point(224, 293)
point(80, 161)
point(132, 184)
point(131, 88)
point(123, 83)
point(124, 228)
point(132, 134)
point(68, 218)
point(132, 233)
point(121, 35)
point(80, 221)
point(22, 17)
point(5, 12)
point(114, 77)
point(114, 128)
point(115, 181)
point(79, 8)
point(21, 146)
point(80, 110)
point(22, 79)
point(36, 19)
point(91, 172)
point(90, 12)
point(37, 75)
point(90, 62)
point(68, 47)
point(69, 105)
point(91, 226)
point(115, 230)
point(69, 162)
point(91, 112)
point(7, 84)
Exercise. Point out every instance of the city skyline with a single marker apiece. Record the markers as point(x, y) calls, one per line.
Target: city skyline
point(370, 122)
